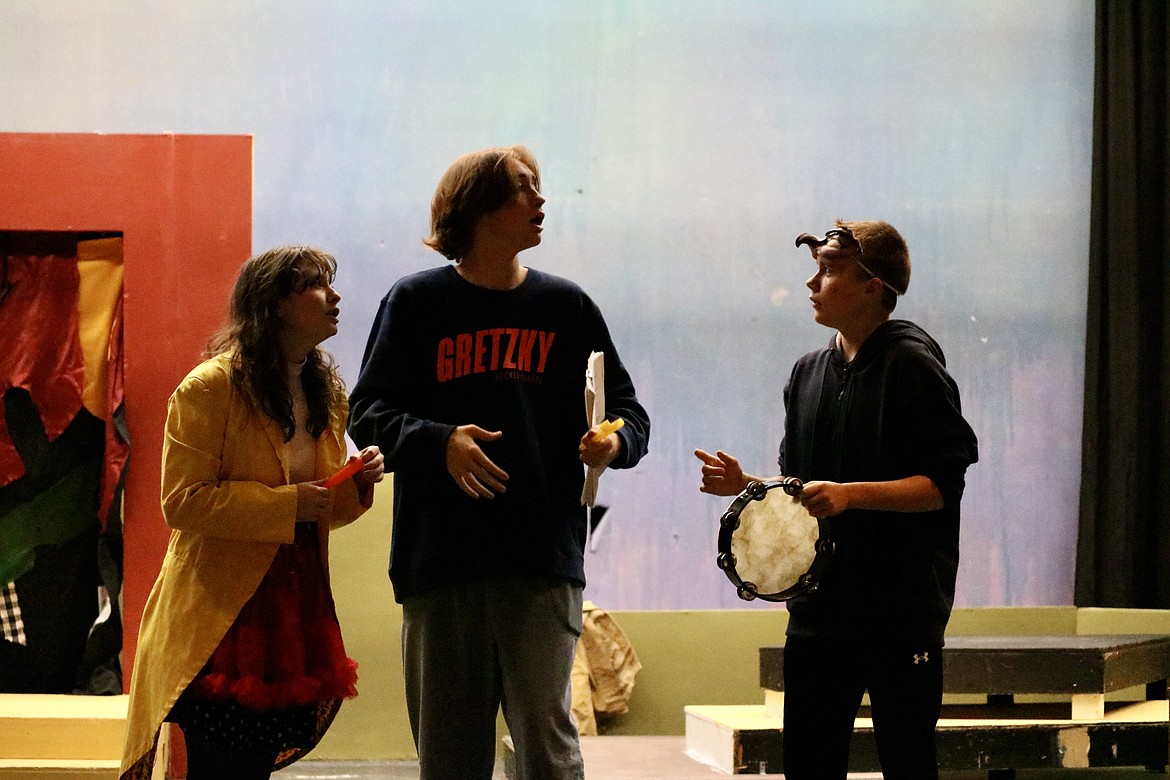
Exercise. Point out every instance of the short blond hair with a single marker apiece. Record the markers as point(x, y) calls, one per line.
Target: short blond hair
point(477, 183)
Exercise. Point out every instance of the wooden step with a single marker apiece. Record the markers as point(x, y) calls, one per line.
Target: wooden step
point(748, 739)
point(47, 727)
point(50, 769)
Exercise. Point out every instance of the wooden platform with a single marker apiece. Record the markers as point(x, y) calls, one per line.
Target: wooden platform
point(1080, 728)
point(747, 739)
point(56, 737)
point(1085, 668)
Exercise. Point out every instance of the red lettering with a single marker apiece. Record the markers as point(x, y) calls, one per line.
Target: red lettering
point(463, 354)
point(513, 336)
point(546, 340)
point(480, 351)
point(493, 349)
point(527, 342)
point(495, 334)
point(446, 366)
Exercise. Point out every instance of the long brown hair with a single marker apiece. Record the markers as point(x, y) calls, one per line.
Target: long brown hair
point(253, 331)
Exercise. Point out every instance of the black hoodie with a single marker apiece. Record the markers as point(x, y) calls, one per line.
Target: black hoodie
point(890, 413)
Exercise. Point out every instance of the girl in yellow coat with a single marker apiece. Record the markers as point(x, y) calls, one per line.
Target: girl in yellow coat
point(239, 641)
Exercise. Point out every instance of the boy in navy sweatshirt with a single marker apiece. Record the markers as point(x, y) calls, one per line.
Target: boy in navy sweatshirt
point(472, 384)
point(874, 429)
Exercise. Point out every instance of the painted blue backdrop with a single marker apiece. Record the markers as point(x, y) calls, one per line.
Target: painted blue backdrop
point(684, 144)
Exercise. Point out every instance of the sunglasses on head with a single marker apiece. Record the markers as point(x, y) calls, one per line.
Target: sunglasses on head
point(848, 241)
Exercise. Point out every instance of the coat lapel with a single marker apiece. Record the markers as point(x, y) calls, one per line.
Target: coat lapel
point(279, 447)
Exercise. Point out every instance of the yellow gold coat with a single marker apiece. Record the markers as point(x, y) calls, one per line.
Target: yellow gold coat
point(227, 499)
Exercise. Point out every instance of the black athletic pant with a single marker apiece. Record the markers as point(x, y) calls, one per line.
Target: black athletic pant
point(824, 681)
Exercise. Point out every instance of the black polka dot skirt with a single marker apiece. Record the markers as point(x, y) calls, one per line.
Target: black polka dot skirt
point(237, 727)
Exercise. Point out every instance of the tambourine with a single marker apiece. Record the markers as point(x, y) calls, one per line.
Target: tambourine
point(770, 547)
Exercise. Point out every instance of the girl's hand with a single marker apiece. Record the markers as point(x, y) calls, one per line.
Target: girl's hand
point(314, 502)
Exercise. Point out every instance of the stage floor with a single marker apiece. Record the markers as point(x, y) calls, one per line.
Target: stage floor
point(647, 758)
point(606, 758)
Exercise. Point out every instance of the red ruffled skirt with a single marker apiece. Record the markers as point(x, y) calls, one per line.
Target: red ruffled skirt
point(285, 648)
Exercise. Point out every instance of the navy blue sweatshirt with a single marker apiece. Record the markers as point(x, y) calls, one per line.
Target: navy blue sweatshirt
point(444, 352)
point(892, 412)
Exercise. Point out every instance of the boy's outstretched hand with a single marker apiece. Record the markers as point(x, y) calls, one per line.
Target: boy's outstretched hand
point(722, 475)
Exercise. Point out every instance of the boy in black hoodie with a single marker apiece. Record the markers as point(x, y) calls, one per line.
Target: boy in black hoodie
point(874, 428)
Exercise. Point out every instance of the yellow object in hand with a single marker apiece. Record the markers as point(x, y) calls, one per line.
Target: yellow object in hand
point(607, 427)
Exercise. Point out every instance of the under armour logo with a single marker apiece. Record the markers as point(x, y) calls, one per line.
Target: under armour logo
point(924, 658)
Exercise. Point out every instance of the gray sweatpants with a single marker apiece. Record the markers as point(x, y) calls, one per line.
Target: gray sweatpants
point(471, 648)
